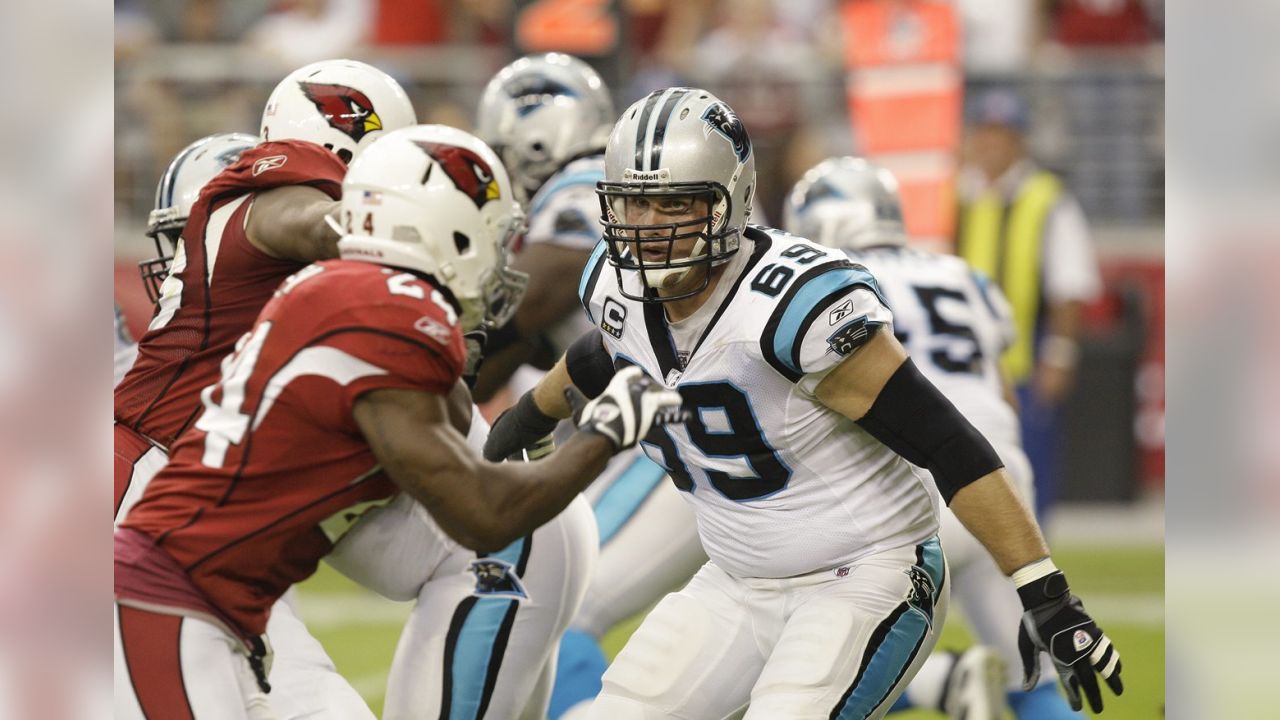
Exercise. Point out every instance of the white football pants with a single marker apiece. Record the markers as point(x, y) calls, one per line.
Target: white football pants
point(841, 643)
point(304, 681)
point(649, 542)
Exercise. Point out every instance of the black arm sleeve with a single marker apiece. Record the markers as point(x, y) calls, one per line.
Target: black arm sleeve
point(517, 428)
point(916, 421)
point(590, 367)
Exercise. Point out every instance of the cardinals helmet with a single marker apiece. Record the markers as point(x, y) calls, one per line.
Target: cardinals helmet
point(343, 105)
point(437, 200)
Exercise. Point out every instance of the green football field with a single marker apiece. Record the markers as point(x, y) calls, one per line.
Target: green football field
point(1123, 589)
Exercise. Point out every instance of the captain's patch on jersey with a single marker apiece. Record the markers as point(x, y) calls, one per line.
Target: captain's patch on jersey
point(850, 336)
point(615, 313)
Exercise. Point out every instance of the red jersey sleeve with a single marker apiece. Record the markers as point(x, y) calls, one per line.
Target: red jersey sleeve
point(277, 164)
point(411, 343)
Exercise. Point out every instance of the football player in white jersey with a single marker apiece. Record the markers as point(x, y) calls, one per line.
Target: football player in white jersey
point(955, 325)
point(826, 585)
point(549, 117)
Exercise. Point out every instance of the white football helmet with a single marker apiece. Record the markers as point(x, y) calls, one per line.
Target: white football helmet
point(188, 172)
point(437, 200)
point(541, 111)
point(846, 203)
point(677, 145)
point(343, 105)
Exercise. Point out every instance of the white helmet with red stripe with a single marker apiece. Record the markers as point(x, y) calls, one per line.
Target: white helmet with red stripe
point(436, 200)
point(343, 105)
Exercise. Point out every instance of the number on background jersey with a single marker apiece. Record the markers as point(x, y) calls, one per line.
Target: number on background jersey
point(954, 356)
point(740, 438)
point(223, 423)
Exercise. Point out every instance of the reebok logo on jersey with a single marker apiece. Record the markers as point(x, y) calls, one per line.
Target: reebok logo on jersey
point(496, 577)
point(840, 312)
point(434, 329)
point(269, 163)
point(1080, 640)
point(615, 313)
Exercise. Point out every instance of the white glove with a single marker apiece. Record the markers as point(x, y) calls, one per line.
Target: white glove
point(627, 408)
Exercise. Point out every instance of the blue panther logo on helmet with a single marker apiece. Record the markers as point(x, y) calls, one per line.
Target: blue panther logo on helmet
point(725, 121)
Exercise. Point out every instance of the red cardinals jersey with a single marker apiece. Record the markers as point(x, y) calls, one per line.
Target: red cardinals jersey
point(275, 468)
point(218, 283)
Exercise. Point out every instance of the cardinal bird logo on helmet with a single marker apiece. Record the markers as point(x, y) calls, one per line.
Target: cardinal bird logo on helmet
point(348, 110)
point(468, 171)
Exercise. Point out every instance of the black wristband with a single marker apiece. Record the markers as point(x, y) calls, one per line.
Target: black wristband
point(919, 423)
point(590, 367)
point(518, 428)
point(1043, 590)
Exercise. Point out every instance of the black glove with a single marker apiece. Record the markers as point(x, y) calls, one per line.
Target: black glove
point(521, 427)
point(1055, 621)
point(627, 408)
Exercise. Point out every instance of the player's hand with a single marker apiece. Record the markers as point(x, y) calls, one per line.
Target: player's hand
point(1055, 622)
point(626, 409)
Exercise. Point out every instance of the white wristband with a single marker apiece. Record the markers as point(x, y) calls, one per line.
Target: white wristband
point(1034, 571)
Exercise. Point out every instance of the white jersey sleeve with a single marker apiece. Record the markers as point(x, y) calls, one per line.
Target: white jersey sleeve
point(827, 314)
point(566, 210)
point(998, 304)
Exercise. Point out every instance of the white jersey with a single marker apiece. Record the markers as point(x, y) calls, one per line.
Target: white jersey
point(955, 325)
point(566, 212)
point(781, 485)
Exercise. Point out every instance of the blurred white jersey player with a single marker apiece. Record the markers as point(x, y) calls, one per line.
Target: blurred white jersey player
point(955, 324)
point(548, 116)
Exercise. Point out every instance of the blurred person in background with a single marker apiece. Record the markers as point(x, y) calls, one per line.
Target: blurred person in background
point(1021, 226)
point(955, 324)
point(549, 117)
point(302, 31)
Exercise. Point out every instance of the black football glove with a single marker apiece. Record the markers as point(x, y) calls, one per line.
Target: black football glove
point(627, 408)
point(1055, 622)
